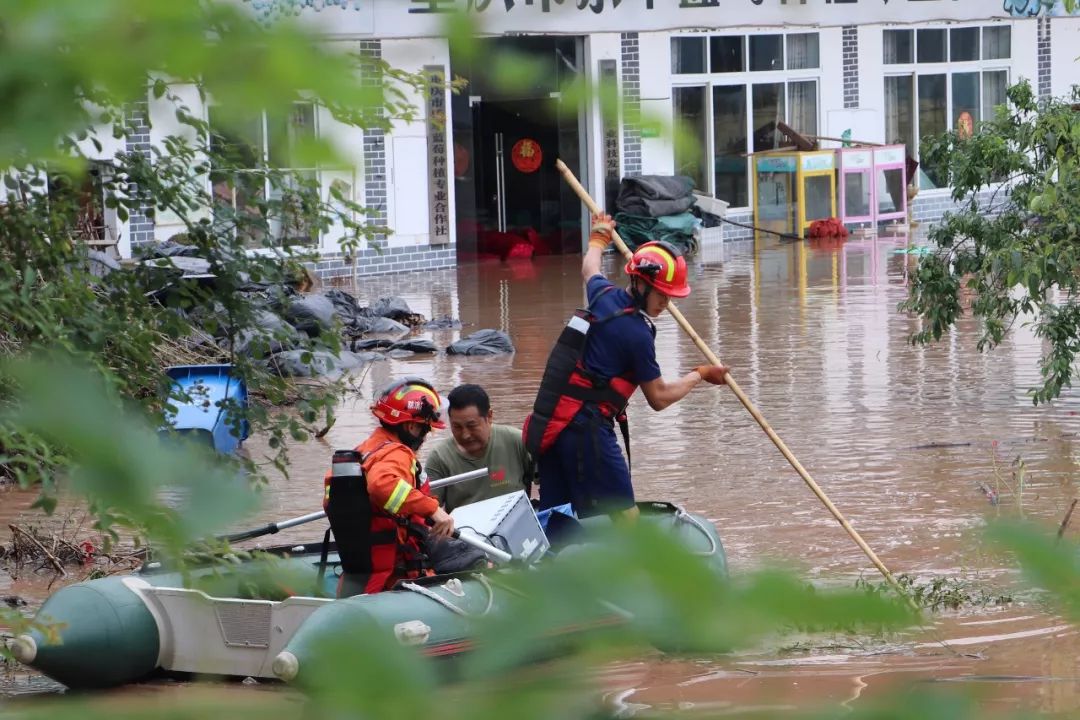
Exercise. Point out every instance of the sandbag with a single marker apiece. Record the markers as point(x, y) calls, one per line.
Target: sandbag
point(346, 307)
point(417, 345)
point(290, 363)
point(101, 264)
point(482, 342)
point(166, 248)
point(655, 195)
point(371, 344)
point(393, 307)
point(311, 314)
point(377, 325)
point(444, 323)
point(270, 334)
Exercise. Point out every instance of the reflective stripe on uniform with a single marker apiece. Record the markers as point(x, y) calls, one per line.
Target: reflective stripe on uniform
point(398, 497)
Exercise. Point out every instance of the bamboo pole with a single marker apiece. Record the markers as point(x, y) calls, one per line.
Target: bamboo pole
point(711, 357)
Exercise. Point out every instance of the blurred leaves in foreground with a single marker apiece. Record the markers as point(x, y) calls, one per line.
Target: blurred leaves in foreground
point(133, 477)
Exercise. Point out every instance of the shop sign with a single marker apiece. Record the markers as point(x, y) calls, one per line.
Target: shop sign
point(427, 18)
point(610, 128)
point(438, 158)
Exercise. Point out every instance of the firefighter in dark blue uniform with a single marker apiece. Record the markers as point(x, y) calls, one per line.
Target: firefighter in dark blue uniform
point(605, 353)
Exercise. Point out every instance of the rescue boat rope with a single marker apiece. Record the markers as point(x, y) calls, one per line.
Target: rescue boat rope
point(435, 597)
point(686, 517)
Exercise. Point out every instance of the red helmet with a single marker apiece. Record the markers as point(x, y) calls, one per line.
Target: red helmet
point(410, 399)
point(661, 265)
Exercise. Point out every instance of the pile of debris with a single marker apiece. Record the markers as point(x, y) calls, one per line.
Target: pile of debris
point(291, 323)
point(35, 550)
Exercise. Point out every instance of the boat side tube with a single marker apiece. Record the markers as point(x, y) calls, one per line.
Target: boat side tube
point(108, 636)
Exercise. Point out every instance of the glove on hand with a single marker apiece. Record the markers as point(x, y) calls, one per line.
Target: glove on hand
point(712, 373)
point(600, 235)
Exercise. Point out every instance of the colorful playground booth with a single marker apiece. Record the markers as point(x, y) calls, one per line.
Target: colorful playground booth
point(861, 186)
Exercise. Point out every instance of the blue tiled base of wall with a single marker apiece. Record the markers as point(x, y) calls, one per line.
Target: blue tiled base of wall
point(389, 260)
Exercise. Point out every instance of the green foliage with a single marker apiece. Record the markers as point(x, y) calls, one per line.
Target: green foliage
point(62, 105)
point(173, 492)
point(1018, 259)
point(939, 592)
point(1049, 564)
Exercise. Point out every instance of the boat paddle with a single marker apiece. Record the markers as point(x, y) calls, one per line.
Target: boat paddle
point(730, 381)
point(276, 527)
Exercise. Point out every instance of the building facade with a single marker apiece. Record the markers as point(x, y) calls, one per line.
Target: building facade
point(723, 71)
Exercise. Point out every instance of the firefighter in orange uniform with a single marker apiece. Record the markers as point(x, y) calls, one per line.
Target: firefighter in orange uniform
point(391, 497)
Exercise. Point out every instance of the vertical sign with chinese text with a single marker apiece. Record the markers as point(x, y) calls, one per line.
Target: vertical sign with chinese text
point(438, 159)
point(609, 113)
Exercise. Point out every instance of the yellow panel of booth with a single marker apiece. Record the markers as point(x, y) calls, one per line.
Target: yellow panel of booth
point(793, 189)
point(817, 187)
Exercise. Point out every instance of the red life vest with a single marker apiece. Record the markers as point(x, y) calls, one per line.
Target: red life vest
point(567, 386)
point(375, 547)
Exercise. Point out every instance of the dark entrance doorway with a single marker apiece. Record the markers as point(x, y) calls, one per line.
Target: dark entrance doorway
point(511, 201)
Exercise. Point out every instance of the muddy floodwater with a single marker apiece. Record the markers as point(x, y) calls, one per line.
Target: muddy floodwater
point(900, 437)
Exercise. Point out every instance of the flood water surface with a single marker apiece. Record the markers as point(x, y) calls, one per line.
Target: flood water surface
point(905, 440)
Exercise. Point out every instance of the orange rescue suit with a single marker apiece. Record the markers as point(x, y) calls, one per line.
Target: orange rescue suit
point(399, 494)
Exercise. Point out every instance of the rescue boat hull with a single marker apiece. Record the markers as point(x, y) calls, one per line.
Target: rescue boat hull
point(118, 630)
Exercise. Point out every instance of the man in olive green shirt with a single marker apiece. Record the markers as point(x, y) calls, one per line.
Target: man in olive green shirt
point(478, 442)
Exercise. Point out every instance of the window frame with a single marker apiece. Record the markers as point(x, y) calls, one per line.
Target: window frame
point(263, 155)
point(745, 78)
point(948, 68)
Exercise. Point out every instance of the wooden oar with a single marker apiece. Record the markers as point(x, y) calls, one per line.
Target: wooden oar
point(711, 357)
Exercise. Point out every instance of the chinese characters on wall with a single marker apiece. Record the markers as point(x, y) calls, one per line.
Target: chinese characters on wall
point(599, 6)
point(610, 133)
point(438, 159)
point(441, 6)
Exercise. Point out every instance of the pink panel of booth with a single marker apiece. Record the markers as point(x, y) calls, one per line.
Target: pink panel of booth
point(890, 183)
point(857, 197)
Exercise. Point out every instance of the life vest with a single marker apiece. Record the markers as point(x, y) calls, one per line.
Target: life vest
point(567, 386)
point(375, 547)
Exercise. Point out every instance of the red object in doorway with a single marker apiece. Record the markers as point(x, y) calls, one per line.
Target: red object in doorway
point(461, 160)
point(503, 245)
point(527, 155)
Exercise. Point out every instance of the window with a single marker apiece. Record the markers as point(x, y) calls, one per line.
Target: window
point(752, 83)
point(965, 97)
point(803, 52)
point(727, 54)
point(899, 46)
point(687, 55)
point(996, 43)
point(766, 52)
point(248, 189)
point(994, 85)
point(930, 46)
point(802, 106)
point(964, 44)
point(729, 144)
point(900, 110)
point(691, 138)
point(942, 79)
